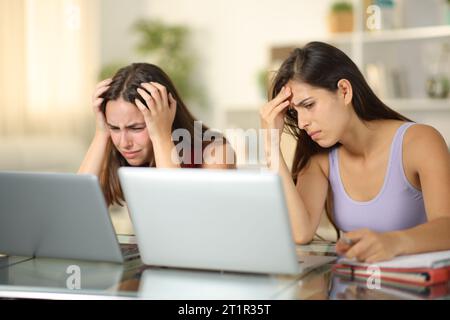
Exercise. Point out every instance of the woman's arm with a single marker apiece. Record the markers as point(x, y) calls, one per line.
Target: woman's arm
point(159, 114)
point(306, 200)
point(93, 160)
point(312, 184)
point(164, 151)
point(426, 153)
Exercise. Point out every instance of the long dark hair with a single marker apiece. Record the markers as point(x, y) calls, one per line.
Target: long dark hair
point(124, 85)
point(321, 65)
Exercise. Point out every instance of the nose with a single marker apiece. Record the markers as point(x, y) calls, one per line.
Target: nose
point(125, 140)
point(303, 119)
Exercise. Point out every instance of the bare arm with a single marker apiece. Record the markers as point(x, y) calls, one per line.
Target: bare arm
point(93, 160)
point(159, 114)
point(426, 153)
point(430, 156)
point(164, 151)
point(306, 200)
point(95, 155)
point(312, 184)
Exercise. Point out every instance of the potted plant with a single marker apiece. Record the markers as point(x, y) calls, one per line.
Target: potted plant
point(340, 18)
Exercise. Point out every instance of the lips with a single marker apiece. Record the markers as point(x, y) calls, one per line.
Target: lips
point(313, 134)
point(130, 154)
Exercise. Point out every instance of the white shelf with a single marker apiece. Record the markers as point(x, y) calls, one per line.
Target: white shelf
point(421, 105)
point(407, 34)
point(421, 33)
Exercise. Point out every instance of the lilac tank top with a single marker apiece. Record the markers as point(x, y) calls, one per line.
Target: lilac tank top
point(397, 206)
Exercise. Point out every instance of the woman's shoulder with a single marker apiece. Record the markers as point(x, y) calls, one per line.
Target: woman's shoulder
point(422, 142)
point(417, 133)
point(422, 133)
point(321, 161)
point(421, 137)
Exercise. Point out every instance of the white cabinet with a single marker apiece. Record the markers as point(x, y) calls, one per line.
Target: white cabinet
point(397, 63)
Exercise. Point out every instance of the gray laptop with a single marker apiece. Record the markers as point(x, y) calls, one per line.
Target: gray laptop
point(229, 220)
point(57, 215)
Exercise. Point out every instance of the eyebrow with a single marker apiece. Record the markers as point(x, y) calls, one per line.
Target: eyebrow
point(130, 126)
point(302, 103)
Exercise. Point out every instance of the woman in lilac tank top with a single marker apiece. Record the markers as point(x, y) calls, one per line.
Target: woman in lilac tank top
point(383, 180)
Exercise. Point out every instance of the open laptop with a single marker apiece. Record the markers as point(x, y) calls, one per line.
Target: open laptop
point(57, 215)
point(229, 220)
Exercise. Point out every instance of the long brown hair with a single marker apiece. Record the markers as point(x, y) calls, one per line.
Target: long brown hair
point(321, 65)
point(124, 85)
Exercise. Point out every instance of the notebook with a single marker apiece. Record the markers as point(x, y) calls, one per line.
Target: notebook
point(420, 269)
point(343, 287)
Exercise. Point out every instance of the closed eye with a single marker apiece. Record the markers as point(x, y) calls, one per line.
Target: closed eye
point(137, 129)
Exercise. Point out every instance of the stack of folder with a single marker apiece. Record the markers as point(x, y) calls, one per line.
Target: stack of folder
point(423, 270)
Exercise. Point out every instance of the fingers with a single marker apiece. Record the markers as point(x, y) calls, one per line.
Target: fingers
point(356, 235)
point(149, 101)
point(99, 92)
point(173, 103)
point(341, 247)
point(155, 94)
point(144, 109)
point(103, 83)
point(363, 249)
point(284, 93)
point(281, 97)
point(270, 118)
point(370, 246)
point(358, 250)
point(97, 103)
point(162, 92)
point(277, 110)
point(101, 88)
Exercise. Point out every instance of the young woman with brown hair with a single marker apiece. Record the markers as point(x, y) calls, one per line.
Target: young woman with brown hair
point(136, 113)
point(384, 179)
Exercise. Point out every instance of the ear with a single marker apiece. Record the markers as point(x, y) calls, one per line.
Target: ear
point(345, 90)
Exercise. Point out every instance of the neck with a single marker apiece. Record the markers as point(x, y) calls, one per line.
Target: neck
point(361, 139)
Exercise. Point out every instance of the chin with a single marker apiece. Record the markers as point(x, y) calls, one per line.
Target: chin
point(135, 162)
point(326, 143)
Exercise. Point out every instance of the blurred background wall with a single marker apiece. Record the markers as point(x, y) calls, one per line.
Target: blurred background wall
point(53, 52)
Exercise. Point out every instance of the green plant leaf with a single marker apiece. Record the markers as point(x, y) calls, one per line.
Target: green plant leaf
point(342, 6)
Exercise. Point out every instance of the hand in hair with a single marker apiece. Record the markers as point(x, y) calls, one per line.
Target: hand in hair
point(272, 113)
point(159, 111)
point(100, 121)
point(272, 118)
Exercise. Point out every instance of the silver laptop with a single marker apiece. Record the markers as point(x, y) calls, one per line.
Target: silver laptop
point(57, 215)
point(229, 220)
